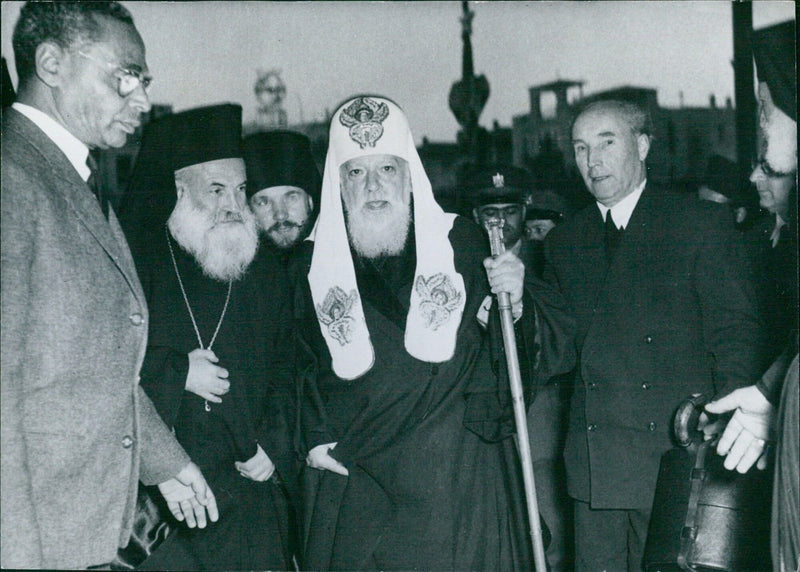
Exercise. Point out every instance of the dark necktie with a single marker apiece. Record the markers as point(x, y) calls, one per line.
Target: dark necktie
point(94, 183)
point(613, 236)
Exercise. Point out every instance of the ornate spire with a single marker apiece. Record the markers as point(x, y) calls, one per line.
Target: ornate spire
point(468, 96)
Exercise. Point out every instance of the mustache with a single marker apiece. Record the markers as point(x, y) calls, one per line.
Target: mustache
point(285, 225)
point(229, 216)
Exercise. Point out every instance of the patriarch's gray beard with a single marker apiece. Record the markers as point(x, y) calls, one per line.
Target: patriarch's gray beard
point(223, 251)
point(781, 140)
point(374, 234)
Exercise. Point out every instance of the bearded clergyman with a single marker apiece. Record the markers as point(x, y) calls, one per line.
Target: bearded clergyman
point(217, 367)
point(405, 417)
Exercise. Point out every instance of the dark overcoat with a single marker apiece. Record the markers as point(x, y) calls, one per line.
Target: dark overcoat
point(424, 491)
point(673, 314)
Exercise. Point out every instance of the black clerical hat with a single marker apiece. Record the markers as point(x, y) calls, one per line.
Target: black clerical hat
point(497, 183)
point(202, 134)
point(281, 158)
point(774, 52)
point(169, 144)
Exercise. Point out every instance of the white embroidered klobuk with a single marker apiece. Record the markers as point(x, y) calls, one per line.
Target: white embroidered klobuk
point(372, 125)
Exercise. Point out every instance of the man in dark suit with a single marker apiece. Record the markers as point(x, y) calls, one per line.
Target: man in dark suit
point(662, 311)
point(78, 433)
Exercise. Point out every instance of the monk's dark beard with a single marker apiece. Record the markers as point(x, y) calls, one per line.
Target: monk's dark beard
point(223, 251)
point(376, 234)
point(281, 241)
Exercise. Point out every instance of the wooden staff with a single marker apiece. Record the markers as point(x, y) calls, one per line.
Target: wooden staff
point(495, 229)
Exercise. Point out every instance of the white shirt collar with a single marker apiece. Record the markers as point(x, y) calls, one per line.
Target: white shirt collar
point(776, 232)
point(622, 211)
point(75, 150)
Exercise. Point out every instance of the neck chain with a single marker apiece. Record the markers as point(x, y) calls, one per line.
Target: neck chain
point(189, 308)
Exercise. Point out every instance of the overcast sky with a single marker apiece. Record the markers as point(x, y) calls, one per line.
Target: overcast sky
point(208, 52)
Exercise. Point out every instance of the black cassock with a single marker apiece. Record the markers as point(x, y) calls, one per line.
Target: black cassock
point(434, 478)
point(253, 344)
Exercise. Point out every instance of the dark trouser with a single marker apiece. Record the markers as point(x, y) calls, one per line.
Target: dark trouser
point(608, 539)
point(547, 428)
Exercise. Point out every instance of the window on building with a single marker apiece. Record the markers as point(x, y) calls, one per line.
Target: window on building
point(547, 103)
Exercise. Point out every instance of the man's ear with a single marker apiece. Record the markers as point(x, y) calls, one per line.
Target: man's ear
point(643, 143)
point(476, 216)
point(50, 63)
point(310, 202)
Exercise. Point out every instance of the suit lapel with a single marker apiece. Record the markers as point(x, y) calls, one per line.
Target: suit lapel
point(631, 260)
point(82, 202)
point(595, 268)
point(125, 260)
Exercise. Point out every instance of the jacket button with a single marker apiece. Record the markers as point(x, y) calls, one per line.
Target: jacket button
point(648, 339)
point(645, 385)
point(136, 319)
point(652, 426)
point(591, 427)
point(127, 442)
point(592, 385)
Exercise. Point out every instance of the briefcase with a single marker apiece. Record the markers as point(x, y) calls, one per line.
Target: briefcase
point(152, 525)
point(704, 516)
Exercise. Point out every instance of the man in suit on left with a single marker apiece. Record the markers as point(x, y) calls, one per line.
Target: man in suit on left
point(78, 433)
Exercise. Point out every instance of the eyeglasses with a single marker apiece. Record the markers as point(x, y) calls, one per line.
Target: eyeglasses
point(766, 169)
point(128, 80)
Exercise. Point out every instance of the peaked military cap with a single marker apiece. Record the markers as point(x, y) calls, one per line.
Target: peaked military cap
point(545, 204)
point(497, 183)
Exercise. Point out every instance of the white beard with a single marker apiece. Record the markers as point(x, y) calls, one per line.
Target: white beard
point(780, 133)
point(382, 233)
point(224, 252)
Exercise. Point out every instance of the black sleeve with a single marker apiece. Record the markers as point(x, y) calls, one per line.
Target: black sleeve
point(163, 377)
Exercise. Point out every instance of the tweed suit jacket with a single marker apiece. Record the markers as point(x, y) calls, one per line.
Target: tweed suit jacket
point(673, 314)
point(77, 430)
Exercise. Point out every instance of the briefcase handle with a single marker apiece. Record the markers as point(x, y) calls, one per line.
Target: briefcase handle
point(687, 418)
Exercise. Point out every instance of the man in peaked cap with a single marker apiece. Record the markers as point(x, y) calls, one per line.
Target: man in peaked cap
point(283, 186)
point(217, 365)
point(770, 407)
point(500, 192)
point(545, 209)
point(404, 421)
